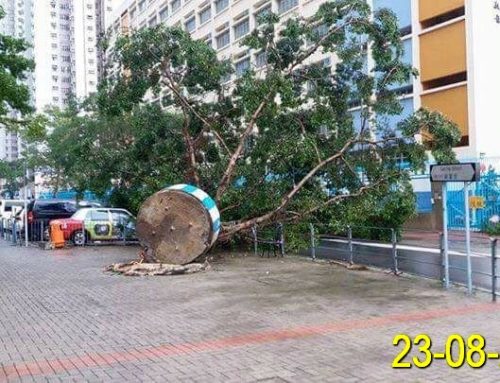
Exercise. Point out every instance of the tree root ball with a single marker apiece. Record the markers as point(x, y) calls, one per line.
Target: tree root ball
point(137, 269)
point(177, 225)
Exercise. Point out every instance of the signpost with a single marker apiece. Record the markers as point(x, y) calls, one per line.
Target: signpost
point(466, 173)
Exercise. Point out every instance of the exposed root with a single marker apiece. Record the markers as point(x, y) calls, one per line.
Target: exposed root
point(138, 268)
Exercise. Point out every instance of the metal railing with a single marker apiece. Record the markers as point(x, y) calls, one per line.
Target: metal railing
point(12, 230)
point(401, 251)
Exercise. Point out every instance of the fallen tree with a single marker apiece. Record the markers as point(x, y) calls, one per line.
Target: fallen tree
point(290, 139)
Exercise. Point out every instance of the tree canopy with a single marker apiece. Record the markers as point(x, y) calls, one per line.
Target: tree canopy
point(278, 143)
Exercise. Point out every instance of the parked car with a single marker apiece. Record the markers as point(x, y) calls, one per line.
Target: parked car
point(41, 212)
point(98, 224)
point(9, 210)
point(8, 207)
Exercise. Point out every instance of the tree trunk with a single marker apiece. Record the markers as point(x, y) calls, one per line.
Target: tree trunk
point(175, 226)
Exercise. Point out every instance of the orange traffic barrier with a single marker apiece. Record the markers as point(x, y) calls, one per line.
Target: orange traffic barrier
point(56, 235)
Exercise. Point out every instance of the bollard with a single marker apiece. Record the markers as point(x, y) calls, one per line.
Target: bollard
point(255, 244)
point(313, 241)
point(349, 238)
point(42, 236)
point(394, 251)
point(493, 269)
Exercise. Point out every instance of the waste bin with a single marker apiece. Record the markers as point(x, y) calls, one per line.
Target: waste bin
point(56, 235)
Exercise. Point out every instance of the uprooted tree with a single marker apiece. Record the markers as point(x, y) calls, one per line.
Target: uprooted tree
point(281, 141)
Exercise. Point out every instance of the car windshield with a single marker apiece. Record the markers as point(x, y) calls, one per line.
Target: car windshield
point(80, 214)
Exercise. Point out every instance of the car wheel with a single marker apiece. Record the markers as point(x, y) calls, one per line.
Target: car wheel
point(79, 238)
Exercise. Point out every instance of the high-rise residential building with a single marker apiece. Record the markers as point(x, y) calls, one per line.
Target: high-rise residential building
point(104, 13)
point(64, 37)
point(65, 50)
point(450, 42)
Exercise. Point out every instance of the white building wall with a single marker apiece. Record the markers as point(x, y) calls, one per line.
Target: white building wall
point(484, 76)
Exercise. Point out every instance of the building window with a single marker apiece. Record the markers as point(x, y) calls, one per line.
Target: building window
point(285, 5)
point(164, 14)
point(242, 66)
point(402, 9)
point(190, 24)
point(222, 40)
point(220, 5)
point(152, 21)
point(208, 39)
point(132, 13)
point(176, 4)
point(261, 59)
point(241, 29)
point(142, 5)
point(261, 13)
point(205, 15)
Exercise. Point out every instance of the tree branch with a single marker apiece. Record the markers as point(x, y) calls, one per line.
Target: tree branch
point(226, 178)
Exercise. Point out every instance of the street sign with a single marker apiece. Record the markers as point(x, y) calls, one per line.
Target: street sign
point(477, 202)
point(466, 172)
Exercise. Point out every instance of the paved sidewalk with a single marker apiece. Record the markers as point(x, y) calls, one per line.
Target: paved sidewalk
point(247, 320)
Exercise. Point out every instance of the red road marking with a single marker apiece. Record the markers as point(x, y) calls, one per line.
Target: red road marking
point(47, 367)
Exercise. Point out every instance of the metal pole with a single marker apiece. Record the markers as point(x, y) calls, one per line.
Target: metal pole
point(441, 255)
point(14, 232)
point(282, 240)
point(25, 204)
point(493, 269)
point(313, 241)
point(394, 251)
point(467, 237)
point(255, 244)
point(349, 237)
point(446, 259)
point(124, 235)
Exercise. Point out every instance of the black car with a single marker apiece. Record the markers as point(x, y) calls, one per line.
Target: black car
point(41, 212)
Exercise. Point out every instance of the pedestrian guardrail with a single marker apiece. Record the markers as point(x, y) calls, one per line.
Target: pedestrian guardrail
point(417, 252)
point(38, 232)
